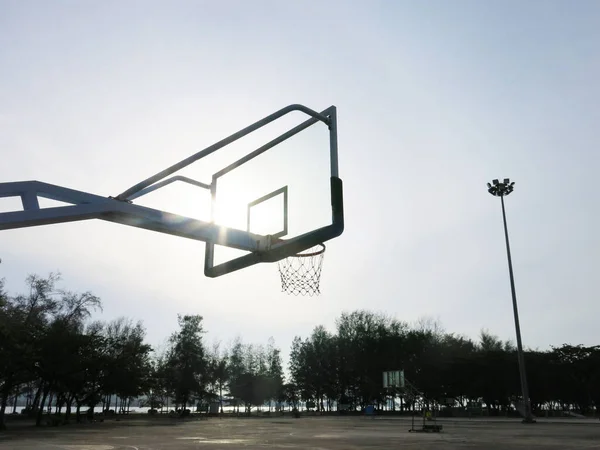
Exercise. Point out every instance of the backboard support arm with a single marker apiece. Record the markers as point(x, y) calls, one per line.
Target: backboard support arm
point(162, 184)
point(222, 143)
point(84, 206)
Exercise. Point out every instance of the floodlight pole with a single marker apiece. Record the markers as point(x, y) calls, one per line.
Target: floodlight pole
point(499, 189)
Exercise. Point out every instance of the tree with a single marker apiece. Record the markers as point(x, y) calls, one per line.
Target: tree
point(219, 372)
point(255, 374)
point(186, 362)
point(300, 370)
point(61, 340)
point(578, 366)
point(363, 342)
point(24, 319)
point(84, 385)
point(127, 362)
point(236, 368)
point(290, 394)
point(54, 353)
point(158, 386)
point(3, 296)
point(274, 372)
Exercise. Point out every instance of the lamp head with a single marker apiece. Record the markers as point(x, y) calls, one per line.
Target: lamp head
point(501, 189)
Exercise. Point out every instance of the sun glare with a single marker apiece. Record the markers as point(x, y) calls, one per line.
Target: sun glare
point(264, 218)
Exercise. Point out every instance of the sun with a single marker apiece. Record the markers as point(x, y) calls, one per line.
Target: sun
point(234, 209)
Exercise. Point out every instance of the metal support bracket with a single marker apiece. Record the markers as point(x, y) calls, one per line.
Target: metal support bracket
point(84, 206)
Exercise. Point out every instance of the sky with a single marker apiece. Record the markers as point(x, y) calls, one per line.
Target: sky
point(434, 100)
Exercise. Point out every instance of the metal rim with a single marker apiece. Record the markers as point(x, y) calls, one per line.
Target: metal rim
point(308, 255)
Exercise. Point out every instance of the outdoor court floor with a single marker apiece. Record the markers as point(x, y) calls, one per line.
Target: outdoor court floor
point(305, 433)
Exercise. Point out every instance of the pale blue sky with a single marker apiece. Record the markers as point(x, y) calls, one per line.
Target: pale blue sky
point(434, 99)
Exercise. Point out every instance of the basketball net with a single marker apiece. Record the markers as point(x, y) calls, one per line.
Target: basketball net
point(301, 274)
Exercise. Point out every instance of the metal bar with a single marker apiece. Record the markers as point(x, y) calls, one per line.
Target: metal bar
point(15, 188)
point(278, 140)
point(174, 224)
point(264, 198)
point(66, 195)
point(136, 216)
point(208, 150)
point(209, 251)
point(166, 182)
point(30, 201)
point(522, 370)
point(46, 216)
point(268, 196)
point(333, 143)
point(96, 207)
point(50, 191)
point(231, 266)
point(300, 243)
point(278, 251)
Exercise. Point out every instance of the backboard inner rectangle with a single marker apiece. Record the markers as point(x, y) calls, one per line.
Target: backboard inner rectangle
point(263, 215)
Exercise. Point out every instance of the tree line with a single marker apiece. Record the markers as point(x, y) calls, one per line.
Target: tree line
point(440, 368)
point(52, 352)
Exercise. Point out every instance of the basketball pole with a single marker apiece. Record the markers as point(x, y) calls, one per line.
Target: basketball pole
point(500, 190)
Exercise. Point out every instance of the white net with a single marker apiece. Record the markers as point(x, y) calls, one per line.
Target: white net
point(301, 274)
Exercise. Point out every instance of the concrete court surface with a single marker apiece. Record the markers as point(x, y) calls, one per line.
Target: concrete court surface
point(304, 433)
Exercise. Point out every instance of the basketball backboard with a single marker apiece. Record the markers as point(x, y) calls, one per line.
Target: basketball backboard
point(269, 202)
point(393, 379)
point(287, 194)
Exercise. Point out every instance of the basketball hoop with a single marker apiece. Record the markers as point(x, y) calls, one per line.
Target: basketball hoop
point(301, 273)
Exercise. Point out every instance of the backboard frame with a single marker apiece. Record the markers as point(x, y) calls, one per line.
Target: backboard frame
point(278, 249)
